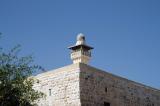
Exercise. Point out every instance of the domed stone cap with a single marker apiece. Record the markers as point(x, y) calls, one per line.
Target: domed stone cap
point(80, 43)
point(80, 39)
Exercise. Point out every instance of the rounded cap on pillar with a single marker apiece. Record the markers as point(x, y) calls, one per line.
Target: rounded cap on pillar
point(80, 39)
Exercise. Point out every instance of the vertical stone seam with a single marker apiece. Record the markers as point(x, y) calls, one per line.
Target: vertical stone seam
point(79, 65)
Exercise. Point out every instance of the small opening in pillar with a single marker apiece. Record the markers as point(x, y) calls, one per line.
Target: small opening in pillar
point(50, 92)
point(106, 104)
point(106, 89)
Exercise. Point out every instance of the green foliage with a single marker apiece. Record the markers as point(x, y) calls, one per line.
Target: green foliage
point(15, 79)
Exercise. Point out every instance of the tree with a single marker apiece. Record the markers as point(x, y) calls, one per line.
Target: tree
point(15, 79)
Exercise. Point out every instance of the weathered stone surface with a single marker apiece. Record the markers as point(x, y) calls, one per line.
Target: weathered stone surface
point(82, 85)
point(98, 87)
point(61, 86)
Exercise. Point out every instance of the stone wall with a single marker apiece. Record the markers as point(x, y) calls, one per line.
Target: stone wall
point(99, 88)
point(61, 86)
point(82, 85)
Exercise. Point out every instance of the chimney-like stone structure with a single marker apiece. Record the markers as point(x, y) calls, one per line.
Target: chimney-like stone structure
point(80, 52)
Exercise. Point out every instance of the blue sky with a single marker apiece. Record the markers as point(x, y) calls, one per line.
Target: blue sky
point(124, 33)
